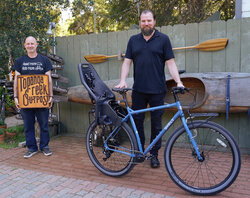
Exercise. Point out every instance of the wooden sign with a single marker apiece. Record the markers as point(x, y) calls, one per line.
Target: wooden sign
point(33, 91)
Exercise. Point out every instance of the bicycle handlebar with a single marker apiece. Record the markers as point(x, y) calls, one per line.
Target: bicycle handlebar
point(180, 90)
point(121, 90)
point(175, 91)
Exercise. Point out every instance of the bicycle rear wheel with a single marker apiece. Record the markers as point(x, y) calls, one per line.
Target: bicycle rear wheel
point(109, 162)
point(221, 154)
point(2, 110)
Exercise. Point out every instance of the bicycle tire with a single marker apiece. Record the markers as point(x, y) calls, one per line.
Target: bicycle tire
point(110, 163)
point(221, 154)
point(2, 110)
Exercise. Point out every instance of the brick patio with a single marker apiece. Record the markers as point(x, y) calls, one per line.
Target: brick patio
point(70, 160)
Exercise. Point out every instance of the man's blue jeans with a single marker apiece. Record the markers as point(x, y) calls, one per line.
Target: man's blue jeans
point(42, 115)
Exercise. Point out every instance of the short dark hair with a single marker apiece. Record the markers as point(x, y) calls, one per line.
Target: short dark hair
point(147, 11)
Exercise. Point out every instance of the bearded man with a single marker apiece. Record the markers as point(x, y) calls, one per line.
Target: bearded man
point(150, 51)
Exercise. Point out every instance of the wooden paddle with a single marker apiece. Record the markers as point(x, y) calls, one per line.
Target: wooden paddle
point(209, 45)
point(98, 58)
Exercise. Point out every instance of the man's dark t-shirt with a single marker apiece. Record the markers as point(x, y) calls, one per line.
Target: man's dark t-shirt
point(149, 59)
point(38, 65)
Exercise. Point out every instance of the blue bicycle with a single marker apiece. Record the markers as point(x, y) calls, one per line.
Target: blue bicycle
point(200, 156)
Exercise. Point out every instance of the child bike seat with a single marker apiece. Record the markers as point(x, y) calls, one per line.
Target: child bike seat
point(100, 95)
point(96, 88)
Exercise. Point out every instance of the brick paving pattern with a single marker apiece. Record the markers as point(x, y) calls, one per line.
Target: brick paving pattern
point(69, 173)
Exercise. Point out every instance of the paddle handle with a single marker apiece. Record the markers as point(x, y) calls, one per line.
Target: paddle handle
point(188, 47)
point(112, 56)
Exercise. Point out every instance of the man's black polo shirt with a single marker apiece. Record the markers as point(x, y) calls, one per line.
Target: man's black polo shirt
point(149, 61)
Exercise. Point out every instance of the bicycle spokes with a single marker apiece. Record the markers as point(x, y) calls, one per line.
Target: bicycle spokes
point(219, 164)
point(111, 151)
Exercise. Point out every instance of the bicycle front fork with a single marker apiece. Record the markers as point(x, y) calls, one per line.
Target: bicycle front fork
point(191, 138)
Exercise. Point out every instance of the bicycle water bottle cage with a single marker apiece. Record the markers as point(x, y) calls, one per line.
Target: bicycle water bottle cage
point(100, 95)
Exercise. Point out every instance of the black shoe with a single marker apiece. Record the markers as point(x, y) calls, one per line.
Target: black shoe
point(46, 152)
point(29, 154)
point(155, 162)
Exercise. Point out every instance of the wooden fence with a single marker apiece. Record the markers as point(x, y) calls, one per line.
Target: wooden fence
point(234, 58)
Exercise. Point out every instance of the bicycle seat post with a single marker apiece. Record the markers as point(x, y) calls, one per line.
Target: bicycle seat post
point(122, 91)
point(124, 97)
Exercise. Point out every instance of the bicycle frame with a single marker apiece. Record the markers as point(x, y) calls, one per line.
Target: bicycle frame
point(178, 114)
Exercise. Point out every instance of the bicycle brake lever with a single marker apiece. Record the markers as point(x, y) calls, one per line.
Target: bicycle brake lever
point(182, 91)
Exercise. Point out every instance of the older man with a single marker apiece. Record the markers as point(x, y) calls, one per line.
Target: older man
point(34, 63)
point(150, 51)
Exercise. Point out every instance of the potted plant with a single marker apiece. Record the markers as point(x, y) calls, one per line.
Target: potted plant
point(11, 132)
point(1, 135)
point(2, 124)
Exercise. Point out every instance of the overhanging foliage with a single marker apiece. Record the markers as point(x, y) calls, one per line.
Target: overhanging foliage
point(113, 15)
point(22, 18)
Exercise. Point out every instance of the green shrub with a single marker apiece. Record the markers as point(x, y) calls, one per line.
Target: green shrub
point(1, 131)
point(20, 128)
point(14, 141)
point(1, 122)
point(15, 129)
point(12, 130)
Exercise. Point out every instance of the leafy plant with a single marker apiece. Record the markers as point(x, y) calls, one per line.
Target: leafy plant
point(15, 129)
point(20, 129)
point(1, 122)
point(1, 131)
point(12, 129)
point(14, 141)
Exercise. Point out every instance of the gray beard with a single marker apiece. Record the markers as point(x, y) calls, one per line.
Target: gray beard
point(147, 32)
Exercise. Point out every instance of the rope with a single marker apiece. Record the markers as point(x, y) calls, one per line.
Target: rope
point(228, 97)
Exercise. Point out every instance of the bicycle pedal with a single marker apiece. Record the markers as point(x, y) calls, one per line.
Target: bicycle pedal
point(139, 159)
point(148, 157)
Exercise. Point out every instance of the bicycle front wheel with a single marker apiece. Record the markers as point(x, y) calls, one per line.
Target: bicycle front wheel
point(112, 163)
point(221, 158)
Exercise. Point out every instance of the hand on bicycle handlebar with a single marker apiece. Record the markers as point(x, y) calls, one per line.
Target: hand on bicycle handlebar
point(181, 90)
point(121, 85)
point(121, 90)
point(180, 84)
